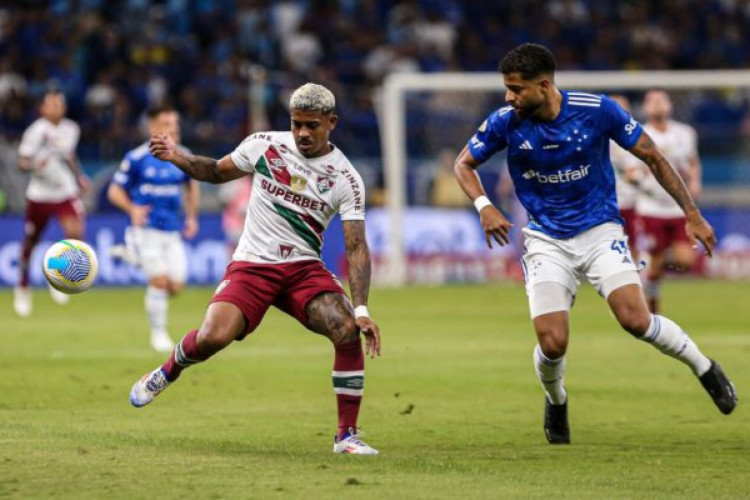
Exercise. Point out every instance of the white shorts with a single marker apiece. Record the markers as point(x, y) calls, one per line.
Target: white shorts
point(597, 255)
point(158, 253)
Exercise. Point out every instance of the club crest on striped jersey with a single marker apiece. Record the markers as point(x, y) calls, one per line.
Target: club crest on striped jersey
point(324, 184)
point(278, 166)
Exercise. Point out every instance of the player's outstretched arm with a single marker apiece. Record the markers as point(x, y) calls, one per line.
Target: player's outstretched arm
point(670, 180)
point(358, 258)
point(494, 223)
point(200, 168)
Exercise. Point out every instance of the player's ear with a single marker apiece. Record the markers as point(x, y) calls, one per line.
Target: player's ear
point(332, 121)
point(545, 84)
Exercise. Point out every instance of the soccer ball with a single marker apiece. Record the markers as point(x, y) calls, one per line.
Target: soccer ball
point(70, 266)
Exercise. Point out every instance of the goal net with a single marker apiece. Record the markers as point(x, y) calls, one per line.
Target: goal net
point(426, 119)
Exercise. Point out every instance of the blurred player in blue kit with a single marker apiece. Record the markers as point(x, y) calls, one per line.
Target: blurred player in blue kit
point(558, 156)
point(150, 191)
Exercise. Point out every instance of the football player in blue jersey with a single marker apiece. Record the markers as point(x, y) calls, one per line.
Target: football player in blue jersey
point(557, 146)
point(150, 191)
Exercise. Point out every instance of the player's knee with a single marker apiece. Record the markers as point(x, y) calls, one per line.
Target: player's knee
point(160, 282)
point(553, 341)
point(214, 336)
point(344, 332)
point(684, 260)
point(174, 287)
point(635, 322)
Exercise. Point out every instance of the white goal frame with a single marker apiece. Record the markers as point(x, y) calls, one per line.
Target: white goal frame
point(393, 123)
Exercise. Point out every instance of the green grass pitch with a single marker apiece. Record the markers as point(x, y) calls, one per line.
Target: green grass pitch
point(453, 404)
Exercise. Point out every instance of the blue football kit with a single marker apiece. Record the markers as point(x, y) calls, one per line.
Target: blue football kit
point(156, 183)
point(561, 168)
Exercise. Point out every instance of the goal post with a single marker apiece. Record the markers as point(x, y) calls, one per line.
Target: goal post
point(393, 126)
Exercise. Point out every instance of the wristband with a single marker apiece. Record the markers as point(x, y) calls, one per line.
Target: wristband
point(361, 312)
point(482, 202)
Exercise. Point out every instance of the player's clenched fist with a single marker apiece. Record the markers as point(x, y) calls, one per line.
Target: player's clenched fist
point(162, 146)
point(495, 226)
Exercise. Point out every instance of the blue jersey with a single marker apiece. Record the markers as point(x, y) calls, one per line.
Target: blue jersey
point(561, 168)
point(156, 183)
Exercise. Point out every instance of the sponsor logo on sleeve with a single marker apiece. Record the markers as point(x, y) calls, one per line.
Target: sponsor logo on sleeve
point(630, 127)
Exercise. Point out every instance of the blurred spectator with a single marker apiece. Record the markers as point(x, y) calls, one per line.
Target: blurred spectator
point(446, 192)
point(234, 197)
point(114, 59)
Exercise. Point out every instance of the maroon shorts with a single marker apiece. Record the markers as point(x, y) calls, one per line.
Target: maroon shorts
point(631, 226)
point(253, 288)
point(659, 234)
point(38, 213)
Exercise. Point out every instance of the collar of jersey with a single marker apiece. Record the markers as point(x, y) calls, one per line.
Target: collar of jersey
point(563, 108)
point(317, 158)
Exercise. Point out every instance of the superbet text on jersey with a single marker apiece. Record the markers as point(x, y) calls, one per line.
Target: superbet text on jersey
point(294, 198)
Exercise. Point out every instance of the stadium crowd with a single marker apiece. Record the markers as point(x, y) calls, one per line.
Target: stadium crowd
point(112, 59)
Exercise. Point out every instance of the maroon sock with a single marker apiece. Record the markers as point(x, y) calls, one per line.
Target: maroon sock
point(185, 354)
point(23, 265)
point(348, 383)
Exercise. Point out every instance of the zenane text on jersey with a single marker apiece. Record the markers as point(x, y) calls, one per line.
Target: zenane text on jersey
point(49, 146)
point(156, 183)
point(293, 198)
point(561, 168)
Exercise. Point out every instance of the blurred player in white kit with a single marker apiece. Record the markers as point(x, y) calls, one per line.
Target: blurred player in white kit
point(661, 220)
point(48, 151)
point(151, 192)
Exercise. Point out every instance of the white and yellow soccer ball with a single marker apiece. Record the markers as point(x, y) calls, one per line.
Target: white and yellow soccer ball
point(70, 266)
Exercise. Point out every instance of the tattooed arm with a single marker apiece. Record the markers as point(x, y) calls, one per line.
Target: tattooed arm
point(200, 168)
point(696, 226)
point(358, 257)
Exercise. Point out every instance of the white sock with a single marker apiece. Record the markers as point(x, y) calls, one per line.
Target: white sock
point(551, 374)
point(157, 308)
point(668, 337)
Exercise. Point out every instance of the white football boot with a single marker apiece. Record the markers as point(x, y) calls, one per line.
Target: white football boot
point(148, 387)
point(22, 303)
point(127, 251)
point(352, 444)
point(123, 253)
point(161, 342)
point(57, 296)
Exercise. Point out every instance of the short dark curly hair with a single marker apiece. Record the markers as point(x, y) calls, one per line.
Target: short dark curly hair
point(158, 109)
point(528, 59)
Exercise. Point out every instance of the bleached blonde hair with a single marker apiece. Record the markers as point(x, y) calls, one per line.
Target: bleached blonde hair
point(312, 97)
